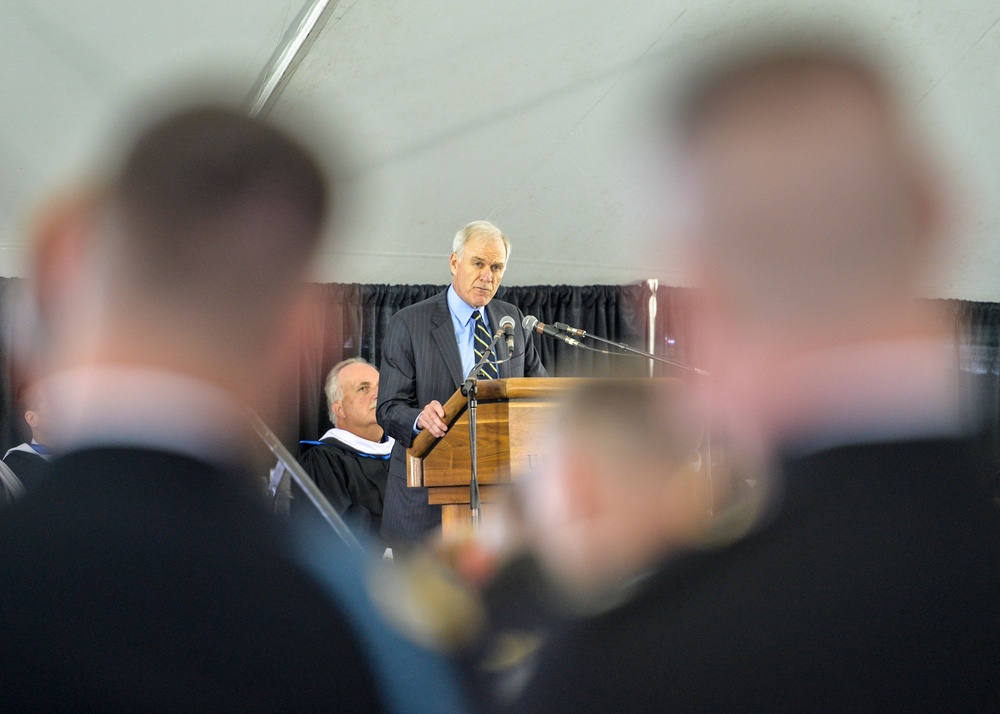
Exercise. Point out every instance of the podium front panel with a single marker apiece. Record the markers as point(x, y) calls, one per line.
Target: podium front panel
point(450, 463)
point(529, 429)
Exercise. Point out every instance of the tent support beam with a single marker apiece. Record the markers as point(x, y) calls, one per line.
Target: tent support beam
point(287, 57)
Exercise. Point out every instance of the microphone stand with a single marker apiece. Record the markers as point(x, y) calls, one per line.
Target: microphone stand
point(627, 349)
point(469, 390)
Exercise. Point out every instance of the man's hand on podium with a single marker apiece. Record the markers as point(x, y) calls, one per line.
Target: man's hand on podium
point(432, 419)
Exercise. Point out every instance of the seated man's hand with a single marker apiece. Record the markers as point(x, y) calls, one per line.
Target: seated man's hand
point(432, 419)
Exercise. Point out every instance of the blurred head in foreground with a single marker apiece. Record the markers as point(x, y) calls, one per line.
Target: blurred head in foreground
point(814, 218)
point(623, 485)
point(191, 258)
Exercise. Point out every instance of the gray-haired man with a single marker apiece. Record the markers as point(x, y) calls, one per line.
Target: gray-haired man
point(428, 352)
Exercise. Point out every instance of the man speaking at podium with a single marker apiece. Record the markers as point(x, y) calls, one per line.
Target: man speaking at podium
point(429, 350)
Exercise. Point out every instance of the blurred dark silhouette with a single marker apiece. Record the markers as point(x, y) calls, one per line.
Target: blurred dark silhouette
point(145, 574)
point(870, 582)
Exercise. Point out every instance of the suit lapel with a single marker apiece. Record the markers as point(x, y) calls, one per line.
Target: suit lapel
point(443, 333)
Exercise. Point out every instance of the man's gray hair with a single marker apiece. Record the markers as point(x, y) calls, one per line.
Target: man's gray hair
point(483, 229)
point(334, 392)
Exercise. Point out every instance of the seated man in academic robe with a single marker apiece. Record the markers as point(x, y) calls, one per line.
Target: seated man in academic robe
point(350, 462)
point(29, 461)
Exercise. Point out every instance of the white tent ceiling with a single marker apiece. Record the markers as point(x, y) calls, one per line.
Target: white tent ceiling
point(530, 114)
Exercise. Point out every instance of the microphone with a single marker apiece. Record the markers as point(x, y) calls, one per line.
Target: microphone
point(575, 331)
point(507, 325)
point(531, 322)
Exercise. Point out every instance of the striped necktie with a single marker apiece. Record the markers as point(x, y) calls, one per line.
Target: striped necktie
point(481, 342)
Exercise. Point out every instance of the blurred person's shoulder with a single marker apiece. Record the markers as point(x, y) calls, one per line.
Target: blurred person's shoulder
point(802, 601)
point(169, 567)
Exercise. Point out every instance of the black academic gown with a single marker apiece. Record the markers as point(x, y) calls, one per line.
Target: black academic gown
point(876, 587)
point(31, 469)
point(141, 580)
point(353, 482)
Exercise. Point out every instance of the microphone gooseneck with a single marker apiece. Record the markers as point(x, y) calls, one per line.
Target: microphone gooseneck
point(531, 322)
point(559, 329)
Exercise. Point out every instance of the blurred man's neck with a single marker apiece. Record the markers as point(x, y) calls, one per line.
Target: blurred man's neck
point(115, 406)
point(860, 391)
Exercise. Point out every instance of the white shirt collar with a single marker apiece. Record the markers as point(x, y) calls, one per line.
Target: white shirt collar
point(372, 448)
point(461, 311)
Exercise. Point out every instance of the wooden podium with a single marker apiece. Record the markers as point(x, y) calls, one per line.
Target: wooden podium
point(510, 419)
point(510, 422)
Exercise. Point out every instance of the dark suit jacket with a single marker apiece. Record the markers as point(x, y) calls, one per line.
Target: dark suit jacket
point(421, 363)
point(140, 580)
point(875, 588)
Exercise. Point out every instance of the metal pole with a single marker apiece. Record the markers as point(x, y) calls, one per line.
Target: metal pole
point(289, 54)
point(473, 456)
point(305, 483)
point(653, 284)
point(469, 389)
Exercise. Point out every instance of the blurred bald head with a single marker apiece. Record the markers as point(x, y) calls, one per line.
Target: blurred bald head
point(214, 217)
point(193, 257)
point(623, 485)
point(812, 207)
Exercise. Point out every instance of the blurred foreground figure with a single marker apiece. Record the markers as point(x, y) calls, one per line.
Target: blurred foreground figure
point(145, 574)
point(872, 581)
point(623, 488)
point(622, 492)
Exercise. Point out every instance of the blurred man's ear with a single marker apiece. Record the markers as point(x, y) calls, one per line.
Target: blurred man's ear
point(687, 502)
point(61, 242)
point(582, 485)
point(295, 328)
point(934, 212)
point(31, 418)
point(560, 493)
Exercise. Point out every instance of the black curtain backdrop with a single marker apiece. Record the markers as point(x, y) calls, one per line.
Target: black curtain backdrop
point(13, 429)
point(349, 320)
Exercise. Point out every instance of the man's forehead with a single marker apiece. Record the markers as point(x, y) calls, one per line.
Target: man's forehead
point(486, 246)
point(358, 374)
